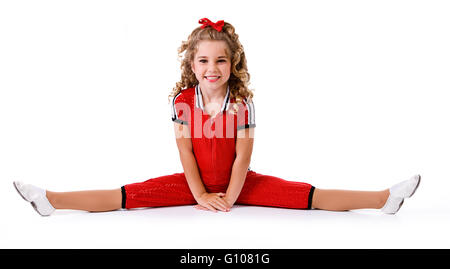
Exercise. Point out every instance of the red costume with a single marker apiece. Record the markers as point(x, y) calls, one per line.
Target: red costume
point(214, 147)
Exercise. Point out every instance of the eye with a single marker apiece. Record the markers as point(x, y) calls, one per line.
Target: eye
point(220, 61)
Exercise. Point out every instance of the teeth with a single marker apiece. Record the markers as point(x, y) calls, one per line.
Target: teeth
point(212, 77)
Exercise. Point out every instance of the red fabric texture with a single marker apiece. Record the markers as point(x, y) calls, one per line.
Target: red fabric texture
point(260, 190)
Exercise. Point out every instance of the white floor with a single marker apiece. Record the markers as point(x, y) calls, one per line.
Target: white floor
point(417, 225)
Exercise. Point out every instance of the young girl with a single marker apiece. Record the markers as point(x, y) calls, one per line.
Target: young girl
point(214, 121)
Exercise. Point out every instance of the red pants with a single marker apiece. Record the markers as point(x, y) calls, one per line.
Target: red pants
point(261, 190)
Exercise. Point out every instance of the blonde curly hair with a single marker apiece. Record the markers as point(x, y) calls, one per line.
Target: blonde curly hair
point(239, 77)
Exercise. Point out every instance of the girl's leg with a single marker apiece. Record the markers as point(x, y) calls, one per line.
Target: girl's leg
point(265, 190)
point(161, 191)
point(94, 201)
point(170, 190)
point(272, 191)
point(341, 200)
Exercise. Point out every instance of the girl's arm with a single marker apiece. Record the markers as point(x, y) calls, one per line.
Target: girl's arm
point(184, 144)
point(188, 161)
point(244, 148)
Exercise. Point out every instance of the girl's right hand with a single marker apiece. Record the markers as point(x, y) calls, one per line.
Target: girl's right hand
point(213, 202)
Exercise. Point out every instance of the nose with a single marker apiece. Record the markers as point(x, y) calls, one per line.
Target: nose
point(212, 66)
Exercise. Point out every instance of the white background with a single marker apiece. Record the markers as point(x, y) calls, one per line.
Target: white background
point(348, 95)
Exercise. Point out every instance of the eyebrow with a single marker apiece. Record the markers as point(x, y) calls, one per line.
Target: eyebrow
point(207, 57)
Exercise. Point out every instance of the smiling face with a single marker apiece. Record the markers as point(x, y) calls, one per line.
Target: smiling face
point(212, 65)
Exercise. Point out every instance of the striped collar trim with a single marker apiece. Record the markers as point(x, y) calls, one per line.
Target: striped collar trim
point(199, 99)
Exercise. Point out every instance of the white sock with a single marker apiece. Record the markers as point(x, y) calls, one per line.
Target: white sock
point(36, 196)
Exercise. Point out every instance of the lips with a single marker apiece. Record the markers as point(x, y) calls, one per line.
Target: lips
point(212, 78)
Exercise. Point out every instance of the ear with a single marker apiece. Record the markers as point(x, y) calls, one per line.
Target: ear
point(192, 67)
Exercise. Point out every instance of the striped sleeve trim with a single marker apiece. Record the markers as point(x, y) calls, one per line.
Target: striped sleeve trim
point(250, 121)
point(175, 113)
point(180, 121)
point(246, 126)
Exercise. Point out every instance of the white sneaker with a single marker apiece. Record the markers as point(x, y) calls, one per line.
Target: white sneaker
point(36, 196)
point(399, 192)
point(406, 189)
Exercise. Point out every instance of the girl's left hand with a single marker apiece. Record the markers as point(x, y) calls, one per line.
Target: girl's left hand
point(200, 207)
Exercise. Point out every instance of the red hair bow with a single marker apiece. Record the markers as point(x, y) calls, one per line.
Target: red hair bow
point(206, 22)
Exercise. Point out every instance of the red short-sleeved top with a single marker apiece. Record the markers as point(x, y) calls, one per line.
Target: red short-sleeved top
point(213, 139)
